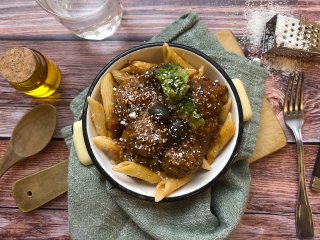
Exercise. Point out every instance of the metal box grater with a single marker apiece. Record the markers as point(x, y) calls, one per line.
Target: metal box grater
point(289, 36)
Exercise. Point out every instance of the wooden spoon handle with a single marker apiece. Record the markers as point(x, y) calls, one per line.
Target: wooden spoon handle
point(8, 160)
point(37, 189)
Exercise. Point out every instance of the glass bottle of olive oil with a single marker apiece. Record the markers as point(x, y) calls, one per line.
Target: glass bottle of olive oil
point(30, 72)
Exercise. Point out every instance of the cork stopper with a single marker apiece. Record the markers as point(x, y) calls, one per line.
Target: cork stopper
point(17, 64)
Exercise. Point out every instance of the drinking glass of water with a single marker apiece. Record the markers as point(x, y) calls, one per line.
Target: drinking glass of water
point(89, 19)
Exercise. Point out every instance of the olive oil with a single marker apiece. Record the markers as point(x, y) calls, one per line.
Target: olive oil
point(30, 72)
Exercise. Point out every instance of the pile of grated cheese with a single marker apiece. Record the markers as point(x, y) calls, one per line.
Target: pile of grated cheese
point(258, 15)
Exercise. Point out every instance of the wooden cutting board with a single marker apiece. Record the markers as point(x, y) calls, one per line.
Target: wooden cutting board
point(271, 137)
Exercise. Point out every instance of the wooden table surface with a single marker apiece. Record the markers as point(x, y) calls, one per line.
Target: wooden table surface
point(270, 212)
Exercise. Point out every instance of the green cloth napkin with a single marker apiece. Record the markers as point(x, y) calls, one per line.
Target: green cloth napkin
point(97, 210)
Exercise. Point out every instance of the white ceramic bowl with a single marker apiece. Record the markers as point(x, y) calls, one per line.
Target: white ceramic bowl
point(152, 52)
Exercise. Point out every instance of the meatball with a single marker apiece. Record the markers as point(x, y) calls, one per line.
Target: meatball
point(208, 95)
point(135, 95)
point(144, 137)
point(206, 133)
point(148, 79)
point(182, 160)
point(130, 99)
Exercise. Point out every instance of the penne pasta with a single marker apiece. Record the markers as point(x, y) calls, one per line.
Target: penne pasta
point(143, 66)
point(244, 99)
point(131, 69)
point(200, 72)
point(120, 76)
point(107, 98)
point(169, 185)
point(205, 165)
point(160, 193)
point(225, 134)
point(170, 55)
point(138, 171)
point(225, 111)
point(98, 116)
point(138, 67)
point(106, 144)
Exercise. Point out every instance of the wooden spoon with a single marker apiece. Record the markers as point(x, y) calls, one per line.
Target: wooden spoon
point(39, 188)
point(33, 132)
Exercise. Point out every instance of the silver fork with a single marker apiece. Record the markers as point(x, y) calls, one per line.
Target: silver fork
point(293, 117)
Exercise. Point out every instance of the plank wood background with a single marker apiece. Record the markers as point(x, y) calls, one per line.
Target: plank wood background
point(270, 212)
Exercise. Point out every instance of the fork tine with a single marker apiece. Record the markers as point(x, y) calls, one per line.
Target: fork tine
point(291, 89)
point(296, 92)
point(299, 93)
point(286, 98)
point(301, 81)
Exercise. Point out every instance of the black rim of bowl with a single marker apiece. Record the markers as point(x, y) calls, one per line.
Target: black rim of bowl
point(113, 181)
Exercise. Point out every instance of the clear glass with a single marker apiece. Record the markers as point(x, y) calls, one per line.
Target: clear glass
point(89, 19)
